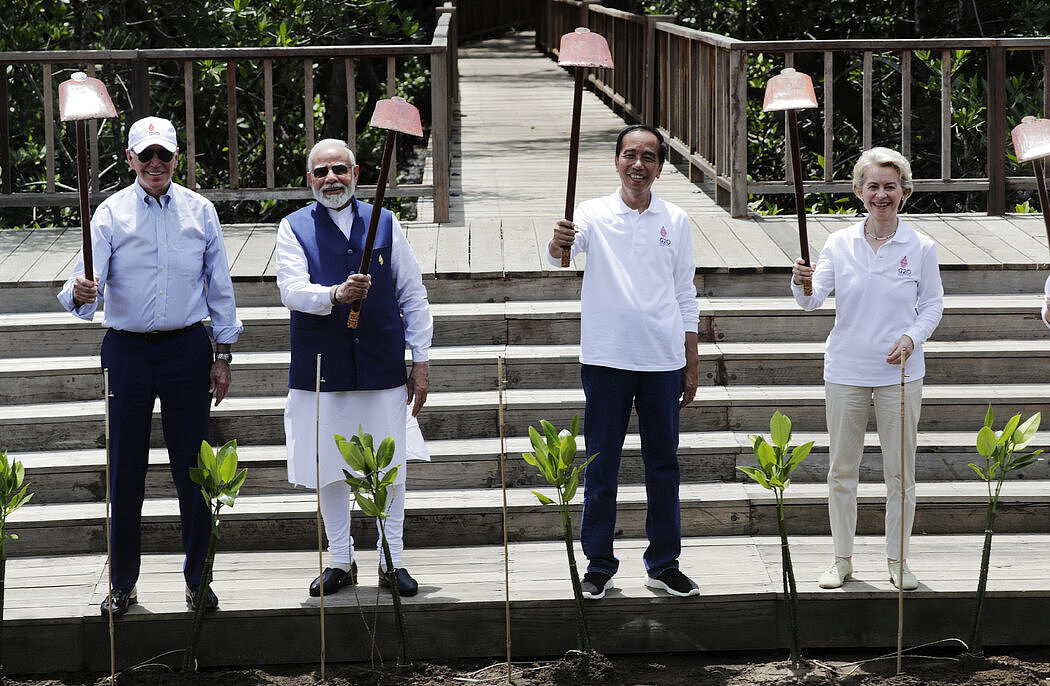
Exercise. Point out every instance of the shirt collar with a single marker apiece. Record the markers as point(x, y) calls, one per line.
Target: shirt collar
point(620, 207)
point(147, 199)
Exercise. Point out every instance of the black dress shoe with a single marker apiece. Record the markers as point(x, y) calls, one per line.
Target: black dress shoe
point(122, 598)
point(333, 579)
point(406, 585)
point(211, 602)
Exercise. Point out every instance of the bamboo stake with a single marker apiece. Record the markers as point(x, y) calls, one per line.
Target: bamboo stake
point(317, 476)
point(109, 549)
point(900, 552)
point(503, 482)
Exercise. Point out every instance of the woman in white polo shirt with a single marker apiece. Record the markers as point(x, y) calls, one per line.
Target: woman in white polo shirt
point(888, 300)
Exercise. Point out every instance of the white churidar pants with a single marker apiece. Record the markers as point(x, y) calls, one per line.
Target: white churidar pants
point(847, 416)
point(335, 512)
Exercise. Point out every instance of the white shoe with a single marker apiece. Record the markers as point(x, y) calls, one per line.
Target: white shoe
point(897, 570)
point(837, 574)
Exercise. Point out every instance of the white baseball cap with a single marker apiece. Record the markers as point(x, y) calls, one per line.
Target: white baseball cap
point(152, 131)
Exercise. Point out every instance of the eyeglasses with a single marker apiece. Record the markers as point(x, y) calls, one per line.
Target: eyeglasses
point(337, 169)
point(146, 155)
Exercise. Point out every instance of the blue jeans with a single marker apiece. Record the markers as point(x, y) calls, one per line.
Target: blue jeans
point(655, 396)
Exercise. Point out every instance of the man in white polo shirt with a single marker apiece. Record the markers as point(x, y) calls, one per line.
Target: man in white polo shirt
point(638, 346)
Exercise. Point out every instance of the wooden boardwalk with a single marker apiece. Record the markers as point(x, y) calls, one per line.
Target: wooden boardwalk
point(508, 184)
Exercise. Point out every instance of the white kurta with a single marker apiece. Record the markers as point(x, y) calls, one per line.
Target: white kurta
point(382, 413)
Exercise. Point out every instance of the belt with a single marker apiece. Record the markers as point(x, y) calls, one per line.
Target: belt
point(156, 336)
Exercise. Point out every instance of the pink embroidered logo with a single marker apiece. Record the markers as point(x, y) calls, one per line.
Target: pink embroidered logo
point(663, 231)
point(664, 240)
point(151, 127)
point(904, 261)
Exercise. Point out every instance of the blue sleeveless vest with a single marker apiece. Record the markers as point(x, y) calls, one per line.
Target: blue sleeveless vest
point(372, 356)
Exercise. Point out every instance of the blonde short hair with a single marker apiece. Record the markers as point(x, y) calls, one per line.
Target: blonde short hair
point(883, 157)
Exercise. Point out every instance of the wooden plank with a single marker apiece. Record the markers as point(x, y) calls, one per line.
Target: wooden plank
point(952, 247)
point(765, 250)
point(988, 241)
point(733, 252)
point(19, 261)
point(704, 254)
point(256, 251)
point(453, 250)
point(424, 241)
point(486, 247)
point(521, 249)
point(56, 263)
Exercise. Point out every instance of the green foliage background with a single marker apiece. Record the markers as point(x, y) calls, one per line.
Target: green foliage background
point(839, 19)
point(30, 25)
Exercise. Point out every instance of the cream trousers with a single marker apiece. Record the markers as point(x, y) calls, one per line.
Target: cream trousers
point(847, 414)
point(335, 512)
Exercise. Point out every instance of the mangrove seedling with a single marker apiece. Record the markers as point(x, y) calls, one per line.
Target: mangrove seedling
point(775, 464)
point(220, 482)
point(998, 449)
point(13, 495)
point(371, 492)
point(554, 454)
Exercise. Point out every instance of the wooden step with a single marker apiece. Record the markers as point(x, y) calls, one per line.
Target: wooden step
point(287, 521)
point(474, 414)
point(52, 621)
point(464, 368)
point(966, 318)
point(78, 475)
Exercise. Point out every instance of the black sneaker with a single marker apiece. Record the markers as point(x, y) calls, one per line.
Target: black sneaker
point(674, 582)
point(211, 601)
point(594, 585)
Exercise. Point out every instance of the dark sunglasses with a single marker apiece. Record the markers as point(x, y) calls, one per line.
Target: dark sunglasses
point(337, 169)
point(146, 155)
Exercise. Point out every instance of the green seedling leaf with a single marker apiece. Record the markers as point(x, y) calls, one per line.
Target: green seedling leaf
point(986, 441)
point(386, 453)
point(989, 417)
point(1008, 430)
point(1026, 431)
point(980, 472)
point(542, 498)
point(780, 429)
point(574, 426)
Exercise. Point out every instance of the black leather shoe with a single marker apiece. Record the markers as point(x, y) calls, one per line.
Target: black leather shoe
point(333, 579)
point(210, 603)
point(122, 598)
point(406, 585)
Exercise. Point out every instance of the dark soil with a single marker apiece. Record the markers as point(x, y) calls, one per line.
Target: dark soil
point(1016, 668)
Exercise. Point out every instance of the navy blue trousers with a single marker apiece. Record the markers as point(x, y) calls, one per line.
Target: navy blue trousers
point(610, 396)
point(177, 371)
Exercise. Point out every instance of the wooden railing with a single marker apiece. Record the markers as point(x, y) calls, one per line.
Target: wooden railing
point(694, 86)
point(130, 74)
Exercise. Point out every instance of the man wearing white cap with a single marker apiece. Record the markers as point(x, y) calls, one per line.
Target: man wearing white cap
point(161, 269)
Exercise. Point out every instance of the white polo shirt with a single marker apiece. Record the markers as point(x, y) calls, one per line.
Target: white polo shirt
point(879, 296)
point(638, 297)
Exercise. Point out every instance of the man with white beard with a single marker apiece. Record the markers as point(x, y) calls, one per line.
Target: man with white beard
point(362, 370)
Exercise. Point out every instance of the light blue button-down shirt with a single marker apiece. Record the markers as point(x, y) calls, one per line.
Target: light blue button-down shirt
point(161, 264)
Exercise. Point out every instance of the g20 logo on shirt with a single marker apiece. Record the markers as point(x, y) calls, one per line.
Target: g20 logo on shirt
point(903, 269)
point(664, 240)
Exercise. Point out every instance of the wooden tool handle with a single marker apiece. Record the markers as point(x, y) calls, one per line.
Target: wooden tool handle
point(574, 154)
point(373, 223)
point(807, 287)
point(85, 210)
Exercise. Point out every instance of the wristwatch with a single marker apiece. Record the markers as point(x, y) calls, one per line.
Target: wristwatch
point(225, 357)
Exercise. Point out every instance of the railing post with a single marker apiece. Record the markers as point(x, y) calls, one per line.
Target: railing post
point(5, 139)
point(996, 130)
point(737, 126)
point(140, 88)
point(649, 97)
point(440, 124)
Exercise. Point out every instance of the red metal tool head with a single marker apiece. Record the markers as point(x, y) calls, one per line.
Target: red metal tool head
point(82, 97)
point(397, 114)
point(789, 90)
point(582, 48)
point(1031, 139)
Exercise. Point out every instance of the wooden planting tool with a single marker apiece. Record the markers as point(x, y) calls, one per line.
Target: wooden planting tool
point(395, 115)
point(79, 99)
point(579, 50)
point(789, 91)
point(1032, 144)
